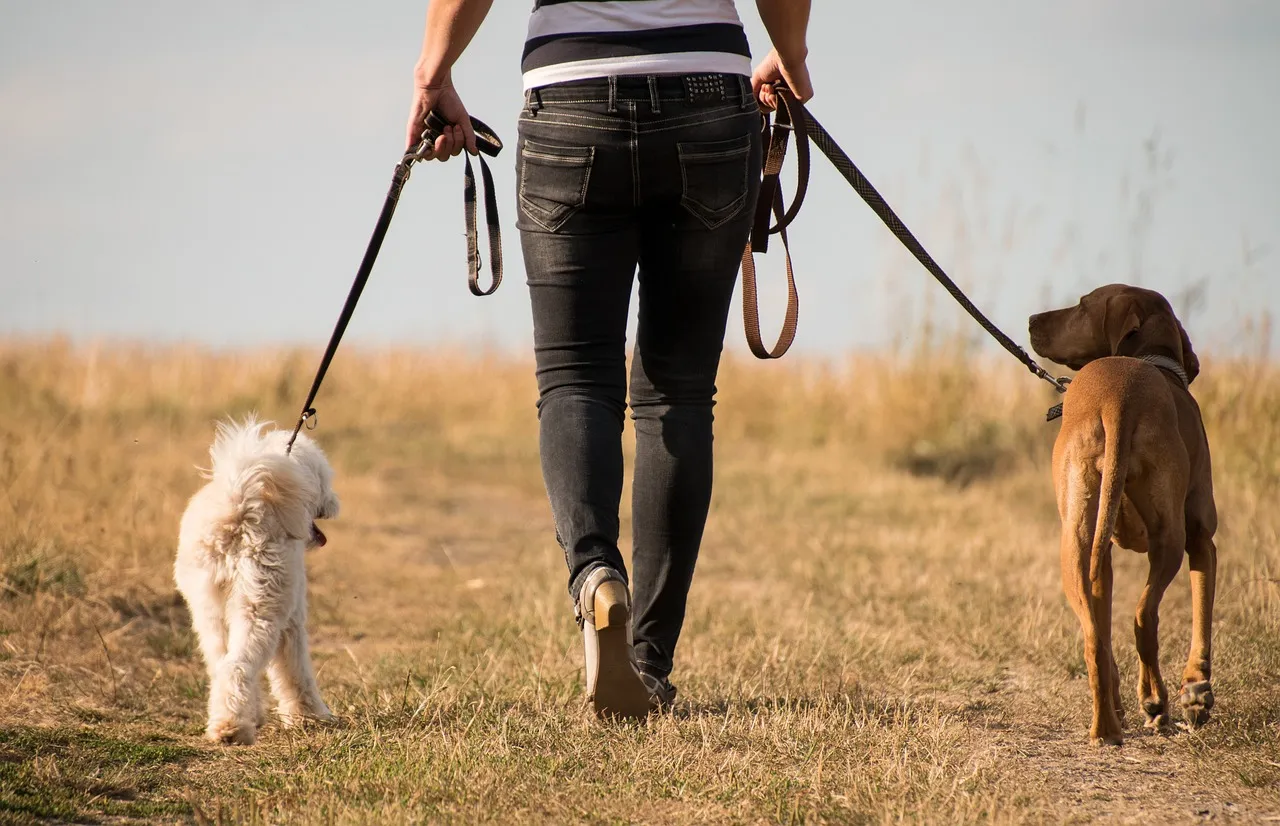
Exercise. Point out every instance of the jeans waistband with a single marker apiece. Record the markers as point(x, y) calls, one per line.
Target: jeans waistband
point(695, 88)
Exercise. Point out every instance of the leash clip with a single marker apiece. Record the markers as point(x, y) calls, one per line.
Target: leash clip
point(1055, 412)
point(308, 418)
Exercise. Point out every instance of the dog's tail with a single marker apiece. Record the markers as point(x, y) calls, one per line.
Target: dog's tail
point(1115, 466)
point(261, 481)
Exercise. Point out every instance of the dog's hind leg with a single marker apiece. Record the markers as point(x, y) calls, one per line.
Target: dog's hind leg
point(1197, 691)
point(293, 681)
point(208, 619)
point(253, 625)
point(1106, 727)
point(1165, 557)
point(1091, 602)
point(1095, 529)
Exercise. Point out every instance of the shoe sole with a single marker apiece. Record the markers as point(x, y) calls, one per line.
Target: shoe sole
point(619, 690)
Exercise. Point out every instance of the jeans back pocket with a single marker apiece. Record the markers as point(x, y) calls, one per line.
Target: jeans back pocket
point(714, 177)
point(553, 182)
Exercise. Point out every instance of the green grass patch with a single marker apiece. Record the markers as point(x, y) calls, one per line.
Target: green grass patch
point(81, 775)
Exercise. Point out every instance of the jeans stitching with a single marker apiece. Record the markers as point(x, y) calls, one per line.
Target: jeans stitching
point(659, 668)
point(545, 117)
point(531, 209)
point(694, 116)
point(729, 211)
point(709, 115)
point(666, 125)
point(553, 100)
point(712, 218)
point(635, 158)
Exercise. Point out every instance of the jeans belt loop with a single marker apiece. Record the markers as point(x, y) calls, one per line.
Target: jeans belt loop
point(613, 94)
point(655, 102)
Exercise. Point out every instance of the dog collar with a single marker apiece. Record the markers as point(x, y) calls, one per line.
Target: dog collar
point(1168, 364)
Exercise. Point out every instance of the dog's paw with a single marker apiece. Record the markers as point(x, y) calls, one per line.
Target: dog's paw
point(1197, 701)
point(232, 732)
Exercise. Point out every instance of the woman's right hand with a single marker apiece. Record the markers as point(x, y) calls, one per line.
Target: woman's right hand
point(775, 69)
point(442, 97)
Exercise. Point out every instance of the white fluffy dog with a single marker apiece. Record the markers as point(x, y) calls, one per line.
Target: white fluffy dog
point(240, 568)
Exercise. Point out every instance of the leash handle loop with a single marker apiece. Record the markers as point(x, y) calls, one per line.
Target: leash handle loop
point(494, 231)
point(751, 298)
point(487, 143)
point(769, 202)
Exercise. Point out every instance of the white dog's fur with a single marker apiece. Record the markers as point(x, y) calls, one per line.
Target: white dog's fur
point(240, 568)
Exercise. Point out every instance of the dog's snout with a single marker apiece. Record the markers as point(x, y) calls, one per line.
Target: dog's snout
point(1036, 328)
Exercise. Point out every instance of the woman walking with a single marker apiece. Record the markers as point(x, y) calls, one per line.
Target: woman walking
point(638, 160)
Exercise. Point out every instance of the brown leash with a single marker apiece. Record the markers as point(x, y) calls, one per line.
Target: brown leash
point(768, 203)
point(792, 117)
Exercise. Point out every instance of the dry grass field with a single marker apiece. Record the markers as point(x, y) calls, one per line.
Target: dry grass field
point(876, 635)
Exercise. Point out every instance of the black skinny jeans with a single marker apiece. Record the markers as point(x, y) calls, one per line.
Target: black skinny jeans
point(660, 173)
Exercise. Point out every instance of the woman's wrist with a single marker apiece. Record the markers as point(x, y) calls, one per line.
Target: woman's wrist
point(790, 53)
point(431, 73)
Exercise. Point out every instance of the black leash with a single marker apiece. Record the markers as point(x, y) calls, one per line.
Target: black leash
point(488, 143)
point(793, 117)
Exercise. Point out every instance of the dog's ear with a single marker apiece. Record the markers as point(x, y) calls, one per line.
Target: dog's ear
point(1190, 361)
point(289, 490)
point(1120, 327)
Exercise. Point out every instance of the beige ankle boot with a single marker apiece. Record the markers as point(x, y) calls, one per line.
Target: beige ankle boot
point(613, 680)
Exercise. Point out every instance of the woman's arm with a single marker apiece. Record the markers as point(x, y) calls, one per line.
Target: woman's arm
point(450, 26)
point(787, 22)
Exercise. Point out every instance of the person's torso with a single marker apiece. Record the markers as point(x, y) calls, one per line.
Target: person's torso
point(579, 39)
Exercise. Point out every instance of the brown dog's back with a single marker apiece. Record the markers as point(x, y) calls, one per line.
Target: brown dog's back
point(1117, 414)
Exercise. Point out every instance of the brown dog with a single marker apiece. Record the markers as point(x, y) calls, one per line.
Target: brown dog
point(1131, 464)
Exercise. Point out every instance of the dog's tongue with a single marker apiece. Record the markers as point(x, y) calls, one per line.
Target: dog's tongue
point(318, 535)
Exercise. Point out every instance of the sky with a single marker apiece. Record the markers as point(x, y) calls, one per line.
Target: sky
point(210, 172)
